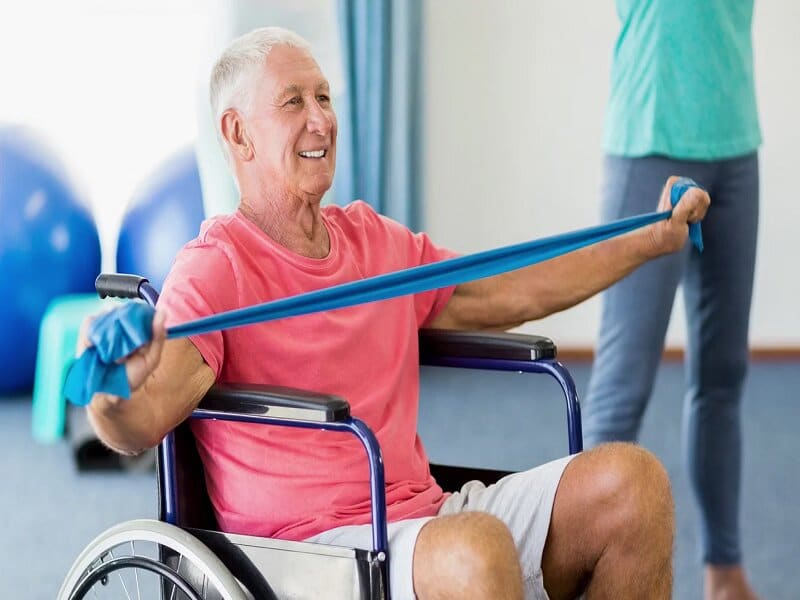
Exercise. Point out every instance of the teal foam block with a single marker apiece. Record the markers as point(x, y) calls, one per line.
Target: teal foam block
point(58, 337)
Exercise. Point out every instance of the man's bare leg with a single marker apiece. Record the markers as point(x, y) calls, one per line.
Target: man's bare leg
point(467, 556)
point(612, 528)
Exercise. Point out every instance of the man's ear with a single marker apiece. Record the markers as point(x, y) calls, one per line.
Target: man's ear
point(235, 134)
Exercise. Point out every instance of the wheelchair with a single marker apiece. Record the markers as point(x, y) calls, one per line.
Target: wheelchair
point(185, 556)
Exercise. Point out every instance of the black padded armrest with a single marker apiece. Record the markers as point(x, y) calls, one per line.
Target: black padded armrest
point(274, 401)
point(451, 343)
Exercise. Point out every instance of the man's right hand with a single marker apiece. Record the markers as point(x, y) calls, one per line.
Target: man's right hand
point(141, 363)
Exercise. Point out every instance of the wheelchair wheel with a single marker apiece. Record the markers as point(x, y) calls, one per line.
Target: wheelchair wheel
point(149, 559)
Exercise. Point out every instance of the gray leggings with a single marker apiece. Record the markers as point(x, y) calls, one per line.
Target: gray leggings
point(717, 288)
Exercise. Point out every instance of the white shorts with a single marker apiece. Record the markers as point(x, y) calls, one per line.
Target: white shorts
point(523, 501)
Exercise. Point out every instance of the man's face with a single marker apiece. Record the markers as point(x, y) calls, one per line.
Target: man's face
point(292, 125)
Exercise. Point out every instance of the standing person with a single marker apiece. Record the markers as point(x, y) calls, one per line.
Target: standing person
point(683, 101)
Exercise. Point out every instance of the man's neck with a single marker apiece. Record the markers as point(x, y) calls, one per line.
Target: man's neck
point(293, 223)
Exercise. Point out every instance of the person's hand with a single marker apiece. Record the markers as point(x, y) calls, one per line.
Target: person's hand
point(670, 235)
point(140, 363)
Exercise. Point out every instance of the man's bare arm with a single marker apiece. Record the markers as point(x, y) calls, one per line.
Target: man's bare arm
point(530, 293)
point(167, 378)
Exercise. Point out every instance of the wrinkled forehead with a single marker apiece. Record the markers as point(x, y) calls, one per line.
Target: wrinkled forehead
point(288, 69)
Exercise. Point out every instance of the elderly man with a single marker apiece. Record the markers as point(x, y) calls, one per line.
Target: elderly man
point(600, 523)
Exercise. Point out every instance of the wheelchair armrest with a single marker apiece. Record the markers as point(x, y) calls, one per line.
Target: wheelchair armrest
point(276, 402)
point(451, 343)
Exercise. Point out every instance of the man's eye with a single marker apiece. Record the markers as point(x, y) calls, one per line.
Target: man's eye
point(323, 99)
point(296, 100)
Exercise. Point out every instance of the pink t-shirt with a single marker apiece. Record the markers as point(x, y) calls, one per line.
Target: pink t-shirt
point(294, 483)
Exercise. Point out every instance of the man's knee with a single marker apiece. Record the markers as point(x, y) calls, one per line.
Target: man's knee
point(616, 491)
point(612, 522)
point(630, 483)
point(471, 554)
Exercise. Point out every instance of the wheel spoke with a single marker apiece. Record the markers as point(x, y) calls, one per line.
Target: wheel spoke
point(124, 587)
point(119, 574)
point(136, 571)
point(178, 571)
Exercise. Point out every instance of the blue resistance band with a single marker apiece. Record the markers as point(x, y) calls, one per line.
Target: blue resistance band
point(121, 331)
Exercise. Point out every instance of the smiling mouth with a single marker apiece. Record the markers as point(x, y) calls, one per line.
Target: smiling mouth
point(313, 153)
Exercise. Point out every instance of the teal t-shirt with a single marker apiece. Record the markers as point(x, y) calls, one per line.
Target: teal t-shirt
point(682, 80)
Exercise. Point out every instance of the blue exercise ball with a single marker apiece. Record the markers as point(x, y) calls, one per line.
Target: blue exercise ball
point(164, 214)
point(48, 247)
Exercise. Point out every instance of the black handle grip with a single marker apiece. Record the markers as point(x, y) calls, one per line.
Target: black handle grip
point(118, 285)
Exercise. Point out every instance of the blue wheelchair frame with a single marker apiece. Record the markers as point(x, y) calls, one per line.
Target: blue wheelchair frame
point(508, 352)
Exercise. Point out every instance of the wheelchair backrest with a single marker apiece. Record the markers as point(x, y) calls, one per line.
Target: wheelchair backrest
point(194, 507)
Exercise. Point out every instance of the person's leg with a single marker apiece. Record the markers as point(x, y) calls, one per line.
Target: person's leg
point(468, 555)
point(523, 503)
point(635, 311)
point(717, 290)
point(600, 522)
point(612, 527)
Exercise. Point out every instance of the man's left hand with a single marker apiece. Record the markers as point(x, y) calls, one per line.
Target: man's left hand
point(670, 235)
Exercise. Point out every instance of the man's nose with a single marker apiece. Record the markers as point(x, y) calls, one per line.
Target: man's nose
point(319, 121)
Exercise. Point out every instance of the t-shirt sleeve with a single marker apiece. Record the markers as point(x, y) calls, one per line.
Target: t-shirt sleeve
point(429, 304)
point(413, 250)
point(201, 283)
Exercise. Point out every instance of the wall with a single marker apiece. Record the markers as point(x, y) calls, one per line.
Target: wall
point(113, 86)
point(105, 84)
point(514, 101)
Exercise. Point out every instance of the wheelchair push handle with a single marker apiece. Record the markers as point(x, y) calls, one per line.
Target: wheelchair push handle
point(123, 285)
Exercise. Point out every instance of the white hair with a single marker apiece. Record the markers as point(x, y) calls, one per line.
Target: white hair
point(231, 78)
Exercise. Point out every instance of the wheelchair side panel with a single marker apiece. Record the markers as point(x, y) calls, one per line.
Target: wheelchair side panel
point(297, 570)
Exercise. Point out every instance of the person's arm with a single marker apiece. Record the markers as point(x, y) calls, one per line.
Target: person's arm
point(167, 379)
point(511, 299)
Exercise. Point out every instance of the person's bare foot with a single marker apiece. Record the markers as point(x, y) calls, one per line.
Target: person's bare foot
point(727, 583)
